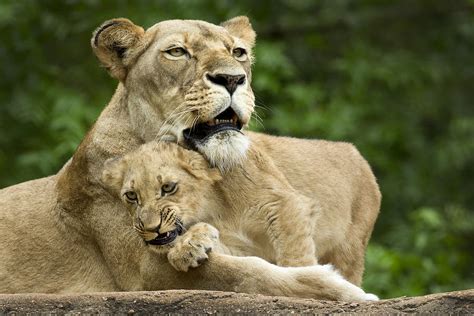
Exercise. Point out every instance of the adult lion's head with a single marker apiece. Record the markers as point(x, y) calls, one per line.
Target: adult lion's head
point(186, 81)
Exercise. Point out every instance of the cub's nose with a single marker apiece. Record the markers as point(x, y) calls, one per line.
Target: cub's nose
point(230, 82)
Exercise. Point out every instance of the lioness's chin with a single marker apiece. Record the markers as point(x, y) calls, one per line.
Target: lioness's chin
point(225, 150)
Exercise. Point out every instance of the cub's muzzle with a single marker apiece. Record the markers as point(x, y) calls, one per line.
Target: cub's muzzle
point(166, 238)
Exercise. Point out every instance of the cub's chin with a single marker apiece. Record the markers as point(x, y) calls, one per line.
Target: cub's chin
point(163, 249)
point(225, 150)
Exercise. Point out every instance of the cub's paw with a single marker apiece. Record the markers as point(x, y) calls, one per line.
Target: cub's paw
point(191, 249)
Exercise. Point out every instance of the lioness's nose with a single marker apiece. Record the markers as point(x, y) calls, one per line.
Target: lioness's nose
point(230, 82)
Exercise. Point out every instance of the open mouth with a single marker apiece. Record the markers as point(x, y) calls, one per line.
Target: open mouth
point(166, 238)
point(227, 120)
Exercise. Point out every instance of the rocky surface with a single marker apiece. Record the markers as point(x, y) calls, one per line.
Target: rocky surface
point(207, 302)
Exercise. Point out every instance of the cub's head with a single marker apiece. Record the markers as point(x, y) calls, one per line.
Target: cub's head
point(186, 81)
point(164, 187)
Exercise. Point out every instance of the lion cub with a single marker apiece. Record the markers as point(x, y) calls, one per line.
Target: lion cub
point(172, 194)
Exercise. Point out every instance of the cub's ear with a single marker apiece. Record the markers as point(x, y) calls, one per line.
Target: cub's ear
point(113, 172)
point(214, 174)
point(117, 43)
point(240, 27)
point(195, 164)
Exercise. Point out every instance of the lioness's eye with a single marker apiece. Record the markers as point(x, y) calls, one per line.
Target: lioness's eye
point(131, 196)
point(239, 54)
point(176, 52)
point(169, 188)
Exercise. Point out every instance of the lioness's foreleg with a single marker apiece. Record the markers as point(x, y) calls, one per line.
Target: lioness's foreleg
point(255, 276)
point(134, 266)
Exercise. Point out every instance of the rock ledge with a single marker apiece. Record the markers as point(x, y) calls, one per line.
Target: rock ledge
point(210, 302)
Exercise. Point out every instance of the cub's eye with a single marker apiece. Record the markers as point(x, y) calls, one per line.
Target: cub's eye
point(239, 54)
point(176, 51)
point(131, 196)
point(169, 188)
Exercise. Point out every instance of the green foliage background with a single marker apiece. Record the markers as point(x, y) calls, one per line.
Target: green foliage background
point(393, 77)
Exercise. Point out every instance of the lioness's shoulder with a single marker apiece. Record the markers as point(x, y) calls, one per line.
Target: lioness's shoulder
point(315, 148)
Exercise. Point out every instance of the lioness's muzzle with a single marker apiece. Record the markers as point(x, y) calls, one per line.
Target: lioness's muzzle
point(225, 121)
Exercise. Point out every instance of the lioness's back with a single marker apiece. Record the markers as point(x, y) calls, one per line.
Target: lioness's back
point(23, 209)
point(38, 251)
point(306, 161)
point(23, 197)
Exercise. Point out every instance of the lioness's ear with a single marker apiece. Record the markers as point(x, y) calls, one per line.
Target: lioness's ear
point(240, 27)
point(116, 43)
point(112, 175)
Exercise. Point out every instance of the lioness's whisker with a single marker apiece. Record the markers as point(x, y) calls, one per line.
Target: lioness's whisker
point(174, 118)
point(193, 124)
point(257, 119)
point(171, 124)
point(168, 120)
point(167, 127)
point(193, 121)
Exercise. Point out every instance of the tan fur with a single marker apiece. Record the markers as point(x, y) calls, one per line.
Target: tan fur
point(254, 208)
point(253, 200)
point(67, 233)
point(283, 223)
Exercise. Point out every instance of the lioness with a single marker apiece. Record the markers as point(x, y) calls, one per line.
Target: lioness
point(172, 196)
point(187, 81)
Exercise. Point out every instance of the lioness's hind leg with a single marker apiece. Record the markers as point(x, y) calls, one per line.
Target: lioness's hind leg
point(192, 248)
point(349, 260)
point(324, 282)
